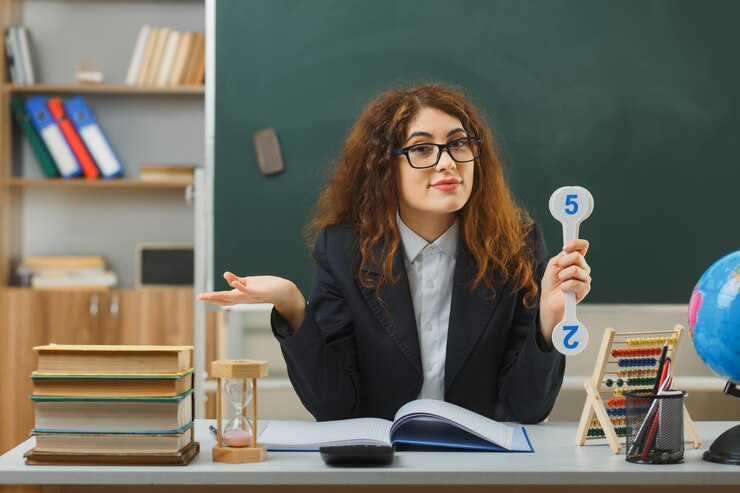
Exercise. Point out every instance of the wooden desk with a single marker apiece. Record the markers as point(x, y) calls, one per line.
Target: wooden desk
point(557, 465)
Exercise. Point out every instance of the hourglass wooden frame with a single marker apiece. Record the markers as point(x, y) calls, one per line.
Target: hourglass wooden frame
point(244, 369)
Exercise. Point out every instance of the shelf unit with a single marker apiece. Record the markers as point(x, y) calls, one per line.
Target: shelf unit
point(144, 124)
point(79, 216)
point(117, 183)
point(102, 89)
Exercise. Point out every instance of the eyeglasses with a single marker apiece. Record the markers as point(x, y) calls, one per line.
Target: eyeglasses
point(423, 155)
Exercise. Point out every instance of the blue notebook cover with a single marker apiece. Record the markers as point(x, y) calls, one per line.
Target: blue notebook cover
point(418, 434)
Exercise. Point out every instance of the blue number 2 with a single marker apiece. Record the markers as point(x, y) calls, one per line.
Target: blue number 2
point(571, 331)
point(570, 200)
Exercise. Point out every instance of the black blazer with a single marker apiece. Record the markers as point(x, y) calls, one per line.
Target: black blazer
point(353, 358)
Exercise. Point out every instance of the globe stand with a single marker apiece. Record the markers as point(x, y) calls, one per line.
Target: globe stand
point(726, 447)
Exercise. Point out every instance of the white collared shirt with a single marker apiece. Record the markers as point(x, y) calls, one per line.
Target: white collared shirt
point(430, 268)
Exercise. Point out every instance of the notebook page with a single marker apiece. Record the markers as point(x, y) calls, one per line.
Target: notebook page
point(310, 435)
point(491, 430)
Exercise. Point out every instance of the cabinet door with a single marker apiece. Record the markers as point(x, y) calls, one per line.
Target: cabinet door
point(33, 318)
point(21, 331)
point(73, 317)
point(152, 316)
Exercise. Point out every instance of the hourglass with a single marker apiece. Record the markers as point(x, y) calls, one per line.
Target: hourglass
point(237, 440)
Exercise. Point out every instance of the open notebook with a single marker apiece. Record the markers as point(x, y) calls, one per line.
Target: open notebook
point(420, 424)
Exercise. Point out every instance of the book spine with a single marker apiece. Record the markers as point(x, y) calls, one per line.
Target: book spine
point(156, 60)
point(168, 59)
point(46, 162)
point(200, 67)
point(93, 137)
point(52, 136)
point(137, 57)
point(17, 59)
point(10, 57)
point(26, 55)
point(195, 75)
point(181, 58)
point(73, 138)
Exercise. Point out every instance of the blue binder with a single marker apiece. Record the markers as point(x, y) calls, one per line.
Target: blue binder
point(52, 137)
point(93, 137)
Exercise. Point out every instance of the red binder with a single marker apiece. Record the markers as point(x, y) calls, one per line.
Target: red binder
point(87, 163)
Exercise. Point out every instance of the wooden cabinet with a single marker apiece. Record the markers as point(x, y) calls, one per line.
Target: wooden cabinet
point(31, 318)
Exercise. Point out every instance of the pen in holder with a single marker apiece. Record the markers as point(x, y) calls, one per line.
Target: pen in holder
point(654, 426)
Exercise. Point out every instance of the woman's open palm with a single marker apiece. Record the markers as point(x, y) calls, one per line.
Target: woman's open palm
point(253, 289)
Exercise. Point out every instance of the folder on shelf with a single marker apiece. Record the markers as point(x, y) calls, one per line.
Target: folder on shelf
point(52, 136)
point(73, 138)
point(46, 162)
point(93, 137)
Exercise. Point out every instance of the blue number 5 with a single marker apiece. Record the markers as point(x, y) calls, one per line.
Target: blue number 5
point(571, 331)
point(570, 200)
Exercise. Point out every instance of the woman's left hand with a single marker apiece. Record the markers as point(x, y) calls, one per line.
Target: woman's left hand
point(567, 271)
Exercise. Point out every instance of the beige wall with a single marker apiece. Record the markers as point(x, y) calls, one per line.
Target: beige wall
point(704, 402)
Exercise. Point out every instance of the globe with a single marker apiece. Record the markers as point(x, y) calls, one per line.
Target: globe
point(714, 325)
point(714, 317)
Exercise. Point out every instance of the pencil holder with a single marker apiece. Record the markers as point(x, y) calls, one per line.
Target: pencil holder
point(654, 426)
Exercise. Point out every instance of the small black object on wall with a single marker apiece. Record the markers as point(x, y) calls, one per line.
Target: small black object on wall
point(163, 264)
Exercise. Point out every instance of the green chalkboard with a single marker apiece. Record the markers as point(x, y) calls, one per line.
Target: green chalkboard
point(638, 101)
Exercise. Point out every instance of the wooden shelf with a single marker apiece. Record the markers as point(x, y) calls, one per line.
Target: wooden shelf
point(194, 90)
point(81, 182)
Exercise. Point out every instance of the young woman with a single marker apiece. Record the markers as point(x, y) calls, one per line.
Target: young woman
point(430, 281)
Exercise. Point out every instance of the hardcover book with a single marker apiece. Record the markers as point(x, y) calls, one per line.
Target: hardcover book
point(182, 457)
point(151, 415)
point(104, 443)
point(116, 360)
point(112, 385)
point(424, 424)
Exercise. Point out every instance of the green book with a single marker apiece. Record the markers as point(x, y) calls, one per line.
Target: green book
point(39, 148)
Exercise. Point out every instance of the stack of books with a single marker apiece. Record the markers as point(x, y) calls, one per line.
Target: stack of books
point(66, 272)
point(66, 138)
point(164, 57)
point(113, 405)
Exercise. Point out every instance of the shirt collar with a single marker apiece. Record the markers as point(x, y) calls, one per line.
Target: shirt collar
point(413, 244)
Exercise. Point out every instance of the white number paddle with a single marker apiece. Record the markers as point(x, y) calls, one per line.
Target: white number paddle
point(571, 206)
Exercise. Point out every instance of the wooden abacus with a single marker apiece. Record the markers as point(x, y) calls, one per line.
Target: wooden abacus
point(626, 361)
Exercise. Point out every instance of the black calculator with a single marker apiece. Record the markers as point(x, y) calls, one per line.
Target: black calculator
point(357, 455)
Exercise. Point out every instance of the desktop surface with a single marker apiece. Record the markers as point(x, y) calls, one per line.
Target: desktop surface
point(556, 461)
